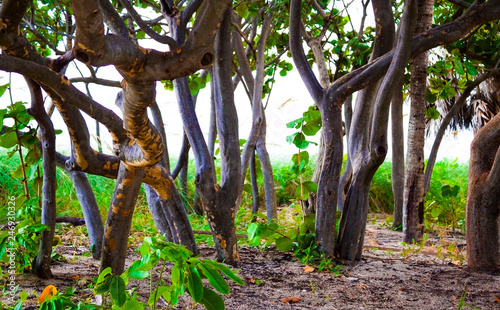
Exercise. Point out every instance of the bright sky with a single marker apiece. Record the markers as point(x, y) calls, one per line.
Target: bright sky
point(288, 101)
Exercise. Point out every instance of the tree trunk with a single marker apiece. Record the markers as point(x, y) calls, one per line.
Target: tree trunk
point(41, 265)
point(371, 148)
point(255, 185)
point(90, 209)
point(413, 208)
point(328, 183)
point(257, 137)
point(223, 213)
point(267, 171)
point(159, 217)
point(88, 203)
point(483, 205)
point(398, 156)
point(119, 218)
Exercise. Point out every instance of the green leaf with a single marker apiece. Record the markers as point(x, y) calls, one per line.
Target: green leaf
point(469, 67)
point(3, 243)
point(432, 113)
point(214, 278)
point(133, 304)
point(312, 127)
point(311, 186)
point(302, 193)
point(117, 290)
point(296, 123)
point(429, 96)
point(211, 300)
point(435, 212)
point(195, 285)
point(300, 141)
point(9, 140)
point(159, 292)
point(138, 274)
point(226, 271)
point(251, 230)
point(446, 190)
point(304, 159)
point(3, 88)
point(284, 244)
point(458, 67)
point(2, 114)
point(242, 10)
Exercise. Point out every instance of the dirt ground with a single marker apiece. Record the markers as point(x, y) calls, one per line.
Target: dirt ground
point(390, 276)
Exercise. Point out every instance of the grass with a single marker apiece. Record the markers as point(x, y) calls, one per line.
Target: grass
point(381, 199)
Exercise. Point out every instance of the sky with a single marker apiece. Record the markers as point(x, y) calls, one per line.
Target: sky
point(289, 99)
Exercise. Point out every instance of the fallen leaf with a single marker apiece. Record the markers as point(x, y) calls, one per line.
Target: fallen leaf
point(497, 298)
point(308, 269)
point(361, 287)
point(290, 300)
point(76, 277)
point(49, 291)
point(373, 242)
point(456, 262)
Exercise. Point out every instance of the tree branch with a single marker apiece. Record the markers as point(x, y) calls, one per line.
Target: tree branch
point(144, 26)
point(93, 80)
point(298, 55)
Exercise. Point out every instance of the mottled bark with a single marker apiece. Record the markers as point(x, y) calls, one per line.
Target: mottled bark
point(119, 218)
point(413, 206)
point(41, 266)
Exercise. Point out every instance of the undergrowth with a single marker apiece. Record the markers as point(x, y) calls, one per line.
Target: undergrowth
point(438, 206)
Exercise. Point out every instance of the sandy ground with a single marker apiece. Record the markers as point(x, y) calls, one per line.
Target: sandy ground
point(390, 276)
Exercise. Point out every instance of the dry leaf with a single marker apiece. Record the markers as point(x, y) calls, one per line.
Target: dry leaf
point(497, 298)
point(373, 242)
point(290, 300)
point(76, 277)
point(49, 291)
point(456, 263)
point(308, 269)
point(361, 287)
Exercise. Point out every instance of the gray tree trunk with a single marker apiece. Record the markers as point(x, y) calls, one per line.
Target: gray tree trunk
point(41, 266)
point(413, 207)
point(398, 156)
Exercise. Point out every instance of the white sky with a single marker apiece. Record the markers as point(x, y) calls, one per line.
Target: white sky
point(289, 90)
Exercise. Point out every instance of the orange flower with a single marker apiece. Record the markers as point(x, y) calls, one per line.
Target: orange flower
point(49, 291)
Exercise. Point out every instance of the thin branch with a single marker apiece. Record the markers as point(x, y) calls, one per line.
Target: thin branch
point(145, 27)
point(242, 34)
point(43, 38)
point(96, 81)
point(319, 9)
